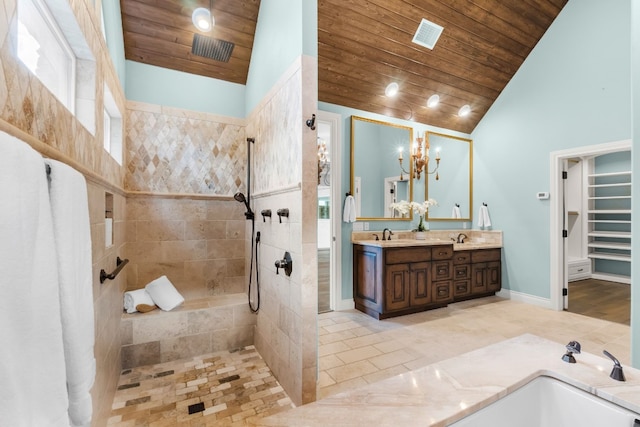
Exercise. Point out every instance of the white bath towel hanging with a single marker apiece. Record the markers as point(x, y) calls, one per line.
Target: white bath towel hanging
point(483, 217)
point(455, 213)
point(349, 214)
point(70, 213)
point(32, 368)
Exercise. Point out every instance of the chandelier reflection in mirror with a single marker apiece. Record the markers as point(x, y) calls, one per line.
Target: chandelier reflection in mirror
point(324, 163)
point(419, 156)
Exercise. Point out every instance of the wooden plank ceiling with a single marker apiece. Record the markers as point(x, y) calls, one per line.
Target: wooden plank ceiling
point(363, 45)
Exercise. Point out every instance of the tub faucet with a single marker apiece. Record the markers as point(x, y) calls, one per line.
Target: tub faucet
point(616, 372)
point(572, 347)
point(461, 237)
point(384, 235)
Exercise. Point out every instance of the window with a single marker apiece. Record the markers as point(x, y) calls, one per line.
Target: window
point(50, 43)
point(112, 120)
point(44, 50)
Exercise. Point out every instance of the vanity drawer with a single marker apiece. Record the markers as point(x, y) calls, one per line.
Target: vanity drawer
point(442, 291)
point(462, 271)
point(442, 252)
point(462, 257)
point(406, 255)
point(441, 270)
point(461, 288)
point(484, 255)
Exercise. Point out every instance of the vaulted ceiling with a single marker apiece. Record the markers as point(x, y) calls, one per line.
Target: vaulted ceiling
point(363, 45)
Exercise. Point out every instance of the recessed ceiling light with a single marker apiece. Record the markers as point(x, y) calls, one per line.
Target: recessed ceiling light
point(392, 89)
point(464, 110)
point(202, 19)
point(433, 101)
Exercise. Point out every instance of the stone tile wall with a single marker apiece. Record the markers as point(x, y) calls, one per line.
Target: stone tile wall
point(198, 244)
point(286, 177)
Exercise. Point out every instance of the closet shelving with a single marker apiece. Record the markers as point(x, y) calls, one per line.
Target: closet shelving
point(609, 230)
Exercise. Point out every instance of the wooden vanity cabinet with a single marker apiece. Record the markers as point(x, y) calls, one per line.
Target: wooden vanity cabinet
point(391, 281)
point(394, 281)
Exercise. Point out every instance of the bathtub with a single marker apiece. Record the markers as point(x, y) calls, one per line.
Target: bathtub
point(546, 402)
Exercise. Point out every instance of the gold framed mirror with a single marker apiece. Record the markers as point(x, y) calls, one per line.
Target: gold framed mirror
point(454, 189)
point(377, 178)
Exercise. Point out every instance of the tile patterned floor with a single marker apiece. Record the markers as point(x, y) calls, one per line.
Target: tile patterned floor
point(217, 389)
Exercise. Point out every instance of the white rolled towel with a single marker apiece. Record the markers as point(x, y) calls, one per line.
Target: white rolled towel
point(164, 294)
point(133, 298)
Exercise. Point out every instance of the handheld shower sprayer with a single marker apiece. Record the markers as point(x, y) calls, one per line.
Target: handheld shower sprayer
point(240, 198)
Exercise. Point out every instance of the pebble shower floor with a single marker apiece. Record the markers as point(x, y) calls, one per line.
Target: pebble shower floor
point(217, 389)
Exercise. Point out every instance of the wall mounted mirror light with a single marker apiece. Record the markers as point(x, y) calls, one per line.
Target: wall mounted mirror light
point(377, 180)
point(455, 186)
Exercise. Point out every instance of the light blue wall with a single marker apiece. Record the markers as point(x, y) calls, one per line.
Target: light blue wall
point(635, 182)
point(279, 40)
point(345, 154)
point(114, 37)
point(573, 90)
point(161, 86)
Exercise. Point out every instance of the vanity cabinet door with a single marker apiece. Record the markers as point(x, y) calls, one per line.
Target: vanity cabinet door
point(367, 278)
point(493, 272)
point(397, 287)
point(420, 280)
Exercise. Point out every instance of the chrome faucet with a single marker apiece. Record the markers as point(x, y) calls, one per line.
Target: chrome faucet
point(572, 347)
point(616, 372)
point(461, 237)
point(384, 235)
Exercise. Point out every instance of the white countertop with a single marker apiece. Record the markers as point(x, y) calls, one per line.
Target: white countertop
point(444, 392)
point(400, 243)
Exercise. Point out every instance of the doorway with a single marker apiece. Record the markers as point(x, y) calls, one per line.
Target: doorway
point(594, 218)
point(329, 203)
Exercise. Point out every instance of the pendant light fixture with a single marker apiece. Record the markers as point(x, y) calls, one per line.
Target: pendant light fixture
point(203, 18)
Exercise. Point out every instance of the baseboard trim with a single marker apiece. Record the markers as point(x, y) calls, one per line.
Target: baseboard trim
point(345, 304)
point(611, 278)
point(526, 298)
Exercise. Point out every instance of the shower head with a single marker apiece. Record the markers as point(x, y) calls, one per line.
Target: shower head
point(239, 197)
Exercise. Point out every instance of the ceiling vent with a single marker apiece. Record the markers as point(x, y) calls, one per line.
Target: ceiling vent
point(219, 50)
point(427, 34)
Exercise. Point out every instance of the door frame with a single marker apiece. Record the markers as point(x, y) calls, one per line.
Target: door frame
point(335, 203)
point(558, 262)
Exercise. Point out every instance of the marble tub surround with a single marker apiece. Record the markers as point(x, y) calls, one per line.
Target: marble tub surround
point(196, 327)
point(476, 239)
point(444, 392)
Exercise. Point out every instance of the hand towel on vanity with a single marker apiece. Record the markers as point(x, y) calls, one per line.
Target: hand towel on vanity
point(483, 217)
point(32, 368)
point(164, 294)
point(70, 213)
point(349, 213)
point(455, 213)
point(134, 298)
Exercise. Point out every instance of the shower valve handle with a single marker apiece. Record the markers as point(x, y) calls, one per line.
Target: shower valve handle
point(285, 263)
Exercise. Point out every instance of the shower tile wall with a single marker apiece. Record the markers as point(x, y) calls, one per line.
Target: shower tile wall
point(29, 106)
point(286, 329)
point(183, 168)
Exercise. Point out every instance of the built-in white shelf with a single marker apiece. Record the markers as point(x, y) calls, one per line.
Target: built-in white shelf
point(603, 244)
point(610, 211)
point(610, 234)
point(610, 245)
point(610, 256)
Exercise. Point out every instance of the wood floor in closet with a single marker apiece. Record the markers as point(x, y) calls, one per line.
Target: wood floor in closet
point(601, 299)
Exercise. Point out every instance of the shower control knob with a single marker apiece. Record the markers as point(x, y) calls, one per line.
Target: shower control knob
point(285, 263)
